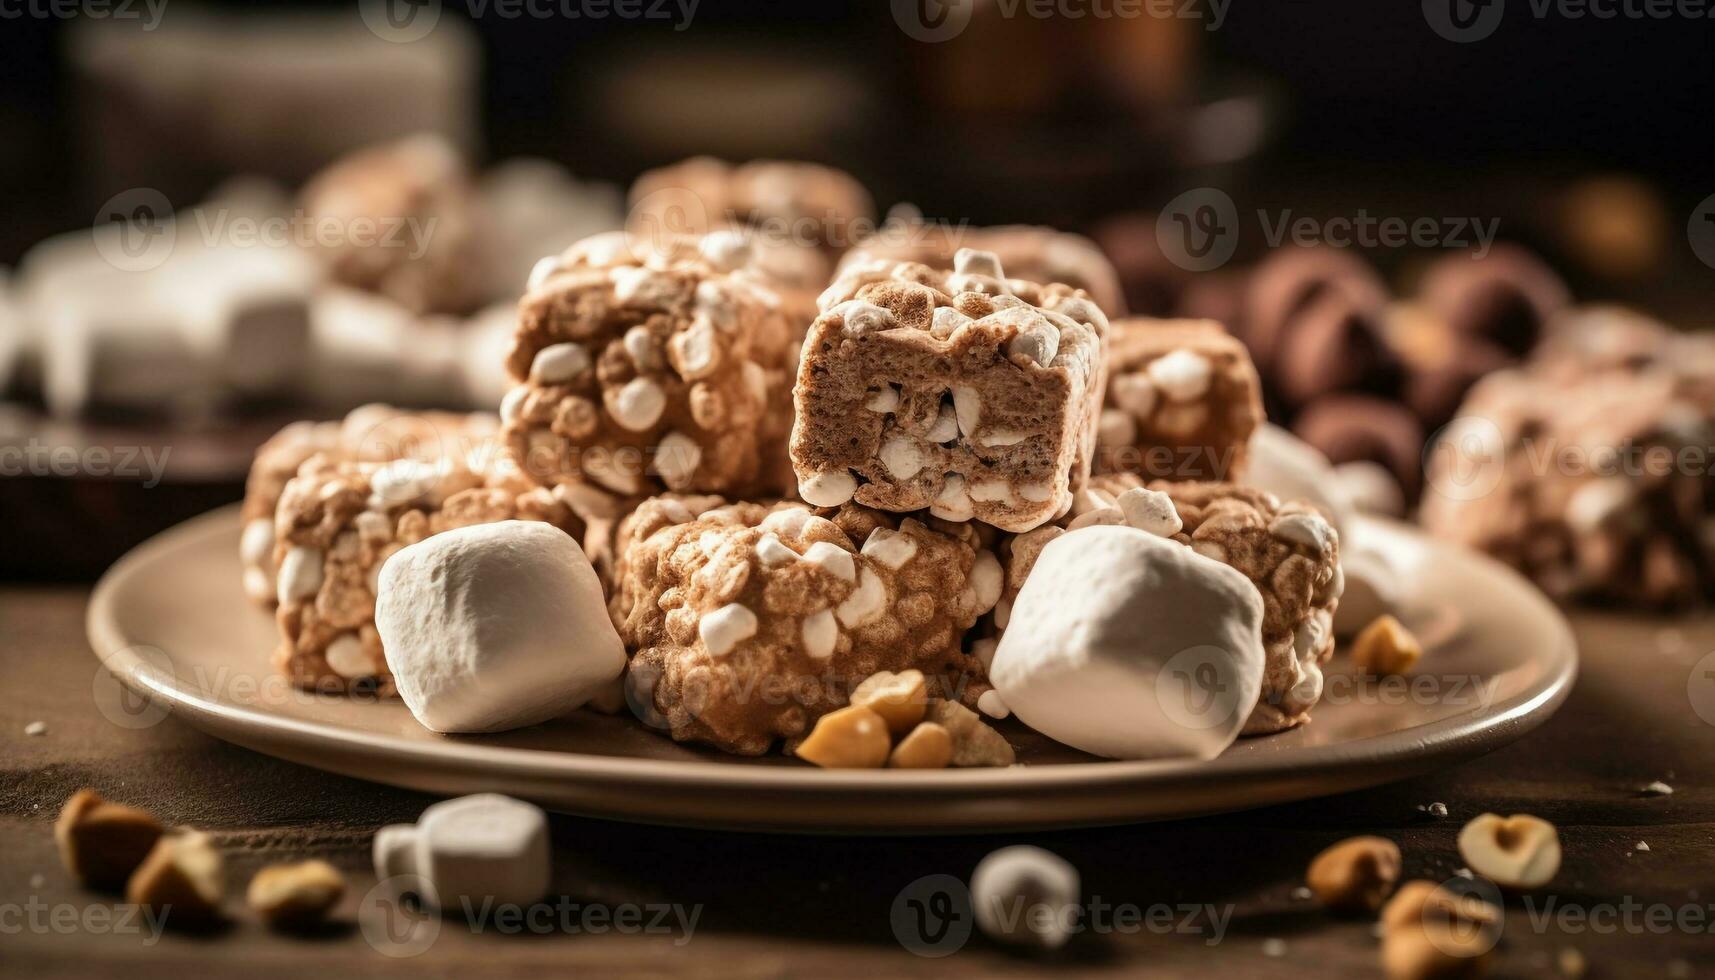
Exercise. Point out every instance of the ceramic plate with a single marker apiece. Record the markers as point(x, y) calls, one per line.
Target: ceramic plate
point(171, 623)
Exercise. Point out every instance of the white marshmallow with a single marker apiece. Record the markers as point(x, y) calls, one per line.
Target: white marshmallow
point(865, 603)
point(986, 579)
point(696, 350)
point(883, 401)
point(902, 456)
point(557, 364)
point(946, 425)
point(861, 318)
point(953, 503)
point(990, 703)
point(967, 408)
point(470, 852)
point(640, 348)
point(945, 320)
point(1372, 489)
point(300, 574)
point(832, 558)
point(256, 545)
point(891, 548)
point(1292, 469)
point(829, 488)
point(726, 627)
point(637, 404)
point(1182, 375)
point(1026, 896)
point(495, 626)
point(677, 458)
point(346, 657)
point(820, 634)
point(772, 553)
point(1150, 510)
point(1132, 646)
point(1136, 394)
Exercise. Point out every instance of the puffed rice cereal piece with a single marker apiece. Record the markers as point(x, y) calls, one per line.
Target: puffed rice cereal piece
point(372, 433)
point(965, 393)
point(747, 623)
point(339, 521)
point(637, 372)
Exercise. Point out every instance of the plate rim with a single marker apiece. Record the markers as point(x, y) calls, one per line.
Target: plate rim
point(1462, 735)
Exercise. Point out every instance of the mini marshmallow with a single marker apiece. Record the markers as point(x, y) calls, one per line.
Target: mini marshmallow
point(820, 634)
point(891, 548)
point(1372, 488)
point(946, 425)
point(637, 404)
point(300, 574)
point(495, 626)
point(1149, 510)
point(726, 628)
point(884, 401)
point(1182, 375)
point(1026, 896)
point(559, 363)
point(829, 488)
point(865, 603)
point(1132, 646)
point(469, 852)
point(833, 558)
point(1372, 585)
point(902, 456)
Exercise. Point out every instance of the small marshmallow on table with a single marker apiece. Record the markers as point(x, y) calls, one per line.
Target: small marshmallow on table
point(469, 852)
point(1129, 645)
point(495, 626)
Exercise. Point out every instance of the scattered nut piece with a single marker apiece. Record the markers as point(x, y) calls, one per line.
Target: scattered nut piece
point(1435, 952)
point(1520, 851)
point(1355, 875)
point(900, 699)
point(295, 896)
point(974, 743)
point(1429, 932)
point(851, 738)
point(180, 879)
point(1657, 788)
point(1571, 962)
point(929, 746)
point(1274, 947)
point(35, 728)
point(1420, 901)
point(1025, 896)
point(101, 842)
point(1386, 647)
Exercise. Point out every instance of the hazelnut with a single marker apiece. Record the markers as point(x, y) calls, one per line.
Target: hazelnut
point(899, 699)
point(1435, 952)
point(1355, 875)
point(101, 842)
point(1418, 901)
point(974, 743)
point(295, 896)
point(851, 738)
point(929, 746)
point(1386, 647)
point(1520, 851)
point(181, 879)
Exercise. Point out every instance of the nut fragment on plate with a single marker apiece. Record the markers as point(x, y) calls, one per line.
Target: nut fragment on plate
point(900, 699)
point(965, 393)
point(928, 746)
point(339, 522)
point(1356, 875)
point(1386, 647)
point(1520, 851)
point(747, 623)
point(851, 738)
point(639, 369)
point(974, 742)
point(295, 896)
point(181, 879)
point(102, 843)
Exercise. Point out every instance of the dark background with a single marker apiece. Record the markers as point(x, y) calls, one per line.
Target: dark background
point(1364, 100)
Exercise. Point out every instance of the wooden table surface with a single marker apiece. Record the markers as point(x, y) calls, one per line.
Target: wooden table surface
point(767, 906)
